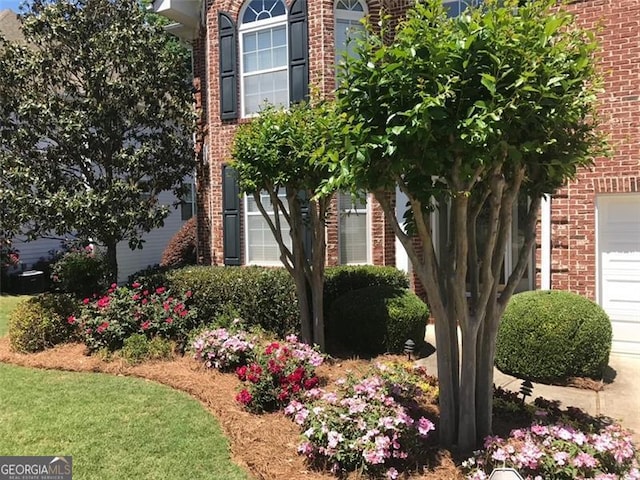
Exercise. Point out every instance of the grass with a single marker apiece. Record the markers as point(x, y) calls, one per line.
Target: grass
point(7, 304)
point(114, 427)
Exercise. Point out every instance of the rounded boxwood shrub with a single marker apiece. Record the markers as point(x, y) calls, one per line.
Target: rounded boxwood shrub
point(549, 336)
point(41, 322)
point(376, 320)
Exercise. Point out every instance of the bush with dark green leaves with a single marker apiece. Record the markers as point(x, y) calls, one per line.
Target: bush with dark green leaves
point(377, 319)
point(261, 296)
point(41, 322)
point(341, 279)
point(151, 277)
point(81, 272)
point(550, 336)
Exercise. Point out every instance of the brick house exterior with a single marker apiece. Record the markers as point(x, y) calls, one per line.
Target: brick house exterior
point(576, 247)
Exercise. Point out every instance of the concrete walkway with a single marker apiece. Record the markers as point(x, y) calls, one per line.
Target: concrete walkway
point(619, 400)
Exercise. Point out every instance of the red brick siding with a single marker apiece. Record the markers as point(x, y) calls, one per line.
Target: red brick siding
point(574, 207)
point(218, 135)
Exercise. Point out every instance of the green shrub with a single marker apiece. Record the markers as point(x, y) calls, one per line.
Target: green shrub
point(107, 321)
point(81, 272)
point(151, 277)
point(261, 296)
point(376, 320)
point(138, 348)
point(181, 249)
point(43, 321)
point(548, 336)
point(345, 278)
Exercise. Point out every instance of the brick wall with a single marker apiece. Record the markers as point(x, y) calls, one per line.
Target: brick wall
point(216, 136)
point(574, 207)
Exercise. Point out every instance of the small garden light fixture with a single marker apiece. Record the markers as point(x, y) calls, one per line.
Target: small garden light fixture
point(526, 389)
point(409, 347)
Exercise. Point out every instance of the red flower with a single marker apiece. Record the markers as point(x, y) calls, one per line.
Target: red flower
point(145, 292)
point(271, 348)
point(188, 294)
point(311, 383)
point(274, 367)
point(283, 395)
point(145, 301)
point(255, 371)
point(145, 325)
point(244, 397)
point(160, 290)
point(135, 297)
point(135, 285)
point(102, 327)
point(114, 285)
point(241, 372)
point(297, 375)
point(71, 320)
point(166, 306)
point(86, 301)
point(169, 320)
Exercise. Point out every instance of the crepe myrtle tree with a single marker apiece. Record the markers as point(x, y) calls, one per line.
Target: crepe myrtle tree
point(276, 153)
point(99, 122)
point(464, 115)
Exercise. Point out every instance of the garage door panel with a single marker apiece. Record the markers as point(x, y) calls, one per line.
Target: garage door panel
point(619, 268)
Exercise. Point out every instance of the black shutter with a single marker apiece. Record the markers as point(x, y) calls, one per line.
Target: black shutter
point(230, 216)
point(228, 67)
point(298, 52)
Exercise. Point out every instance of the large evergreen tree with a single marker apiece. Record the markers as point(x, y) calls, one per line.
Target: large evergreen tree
point(96, 120)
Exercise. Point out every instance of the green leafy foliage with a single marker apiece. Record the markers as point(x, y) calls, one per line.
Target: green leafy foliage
point(274, 153)
point(377, 319)
point(341, 279)
point(465, 115)
point(43, 321)
point(107, 321)
point(96, 120)
point(260, 296)
point(181, 249)
point(81, 272)
point(139, 348)
point(549, 336)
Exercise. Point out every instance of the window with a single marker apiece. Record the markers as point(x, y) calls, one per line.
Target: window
point(354, 229)
point(188, 203)
point(456, 7)
point(348, 14)
point(261, 246)
point(264, 56)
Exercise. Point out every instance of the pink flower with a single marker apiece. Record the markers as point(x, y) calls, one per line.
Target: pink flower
point(188, 294)
point(160, 290)
point(425, 426)
point(114, 285)
point(86, 301)
point(71, 320)
point(169, 320)
point(145, 325)
point(135, 285)
point(392, 473)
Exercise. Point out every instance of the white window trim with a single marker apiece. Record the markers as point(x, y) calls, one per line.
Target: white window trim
point(246, 215)
point(350, 15)
point(253, 27)
point(368, 227)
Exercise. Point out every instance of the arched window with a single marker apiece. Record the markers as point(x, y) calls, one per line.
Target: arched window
point(348, 14)
point(264, 59)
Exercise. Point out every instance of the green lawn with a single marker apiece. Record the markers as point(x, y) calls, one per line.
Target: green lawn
point(114, 427)
point(7, 304)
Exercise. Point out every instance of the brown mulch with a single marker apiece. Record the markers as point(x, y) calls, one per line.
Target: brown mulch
point(264, 444)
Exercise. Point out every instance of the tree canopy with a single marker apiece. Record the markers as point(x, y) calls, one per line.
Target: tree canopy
point(96, 121)
point(275, 154)
point(465, 116)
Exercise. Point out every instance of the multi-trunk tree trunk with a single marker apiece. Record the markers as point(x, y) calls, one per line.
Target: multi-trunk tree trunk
point(465, 293)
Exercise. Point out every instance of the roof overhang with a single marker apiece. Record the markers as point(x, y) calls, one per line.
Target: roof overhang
point(185, 14)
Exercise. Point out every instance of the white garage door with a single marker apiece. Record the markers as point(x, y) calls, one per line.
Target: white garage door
point(619, 268)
